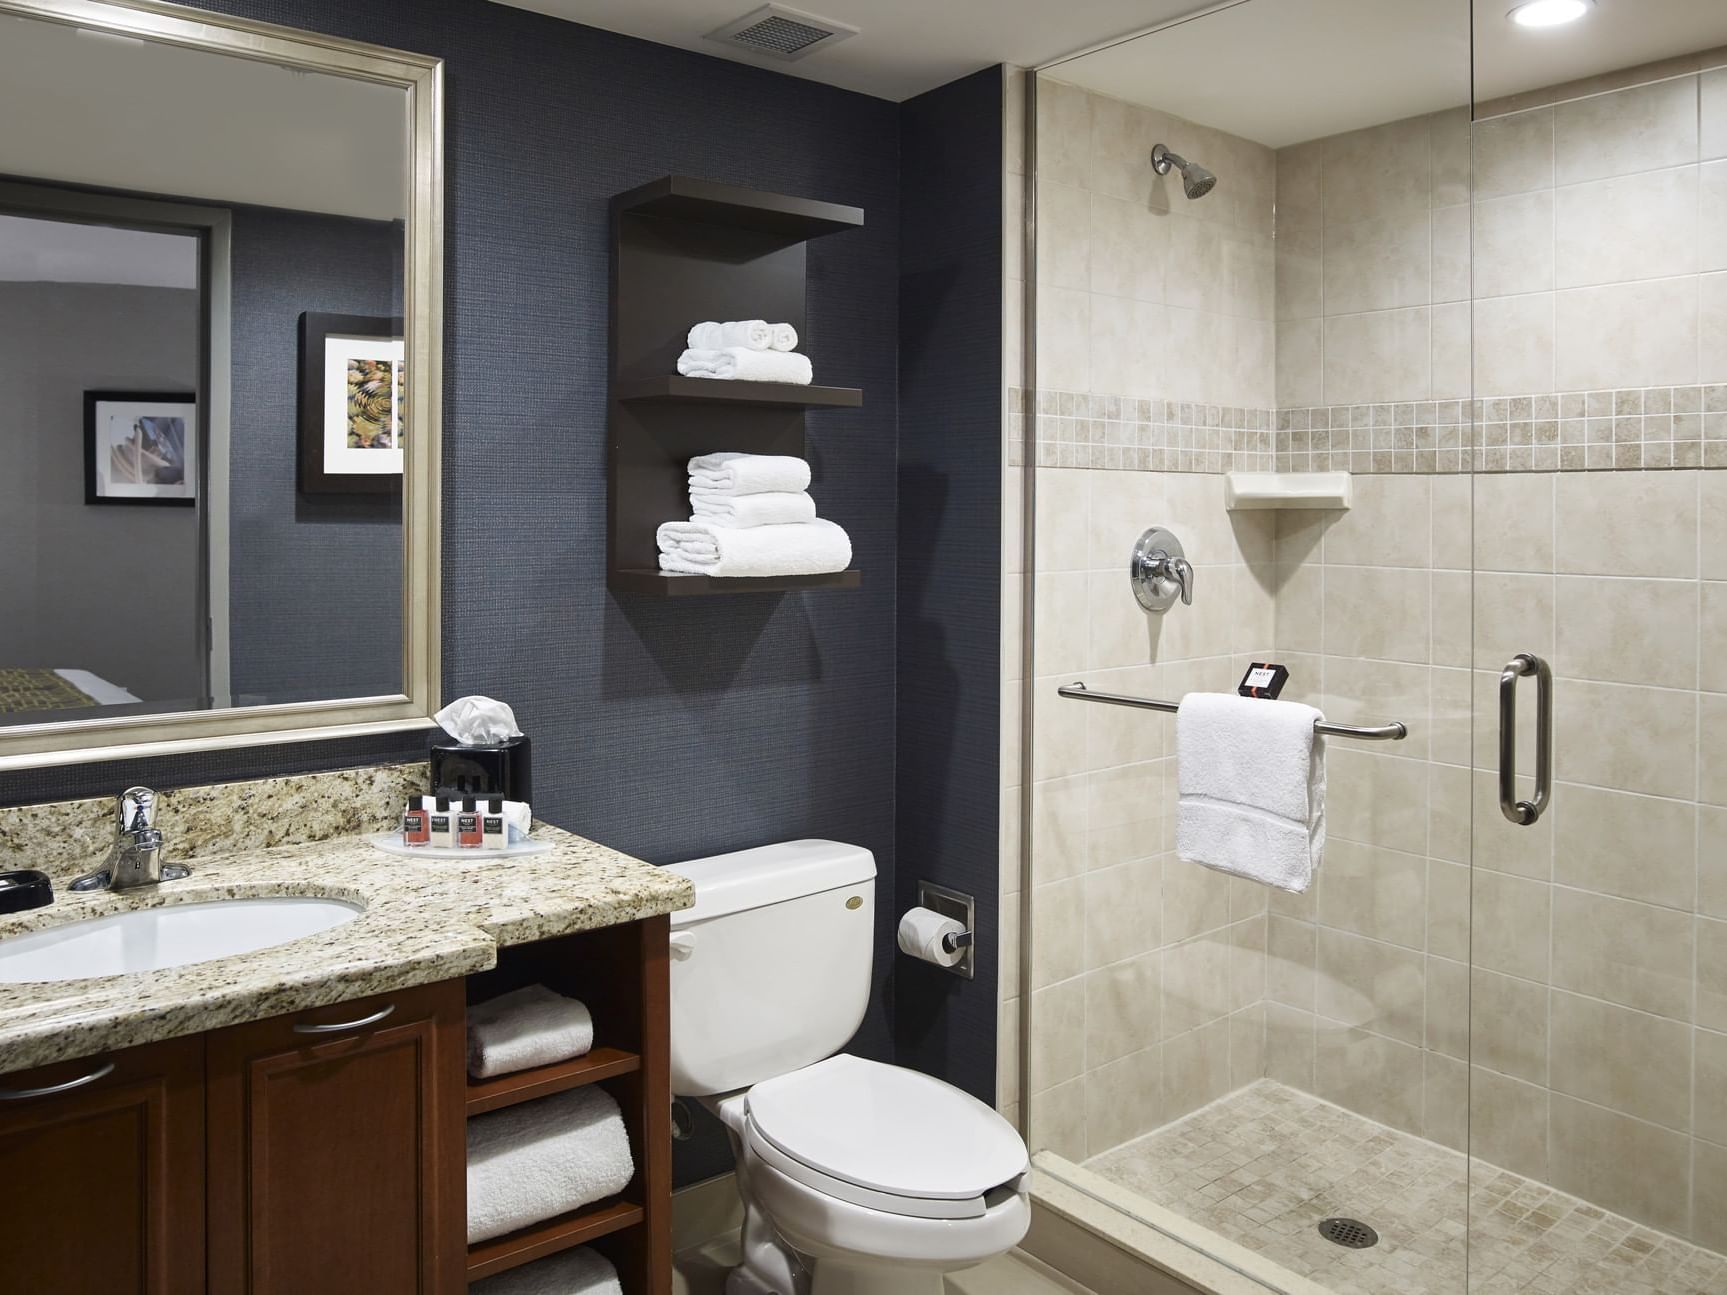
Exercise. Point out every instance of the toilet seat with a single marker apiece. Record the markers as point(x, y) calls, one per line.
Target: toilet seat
point(885, 1138)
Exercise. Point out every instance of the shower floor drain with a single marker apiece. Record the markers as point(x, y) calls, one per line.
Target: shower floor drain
point(1352, 1233)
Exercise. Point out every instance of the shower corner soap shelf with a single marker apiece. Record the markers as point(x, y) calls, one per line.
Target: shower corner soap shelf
point(1243, 491)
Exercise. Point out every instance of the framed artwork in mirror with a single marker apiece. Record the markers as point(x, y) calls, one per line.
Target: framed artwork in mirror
point(140, 447)
point(353, 404)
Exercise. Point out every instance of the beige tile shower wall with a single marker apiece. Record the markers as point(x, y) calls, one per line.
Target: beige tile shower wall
point(1592, 256)
point(1148, 974)
point(1143, 294)
point(1595, 1015)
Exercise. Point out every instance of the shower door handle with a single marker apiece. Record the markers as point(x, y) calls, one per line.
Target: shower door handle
point(1525, 812)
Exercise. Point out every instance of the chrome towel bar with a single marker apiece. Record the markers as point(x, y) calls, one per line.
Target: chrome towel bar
point(1395, 731)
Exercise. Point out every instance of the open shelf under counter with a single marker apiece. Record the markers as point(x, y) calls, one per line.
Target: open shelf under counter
point(563, 1232)
point(1246, 491)
point(674, 388)
point(542, 1081)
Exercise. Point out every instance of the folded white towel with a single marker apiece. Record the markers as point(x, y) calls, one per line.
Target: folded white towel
point(530, 1162)
point(527, 1027)
point(785, 338)
point(775, 508)
point(1251, 774)
point(703, 549)
point(739, 363)
point(582, 1271)
point(730, 473)
point(751, 334)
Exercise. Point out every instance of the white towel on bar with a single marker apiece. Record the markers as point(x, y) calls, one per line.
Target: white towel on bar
point(543, 1158)
point(739, 363)
point(774, 508)
point(751, 334)
point(582, 1271)
point(1251, 776)
point(534, 1026)
point(731, 473)
point(785, 338)
point(704, 549)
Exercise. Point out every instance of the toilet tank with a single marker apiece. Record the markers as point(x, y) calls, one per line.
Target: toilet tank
point(770, 971)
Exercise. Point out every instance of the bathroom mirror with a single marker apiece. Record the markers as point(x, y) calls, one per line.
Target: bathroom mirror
point(220, 254)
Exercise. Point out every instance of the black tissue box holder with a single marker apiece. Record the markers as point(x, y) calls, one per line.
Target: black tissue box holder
point(493, 770)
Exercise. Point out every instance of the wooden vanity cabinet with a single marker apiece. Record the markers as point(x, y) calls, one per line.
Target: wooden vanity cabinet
point(336, 1149)
point(106, 1179)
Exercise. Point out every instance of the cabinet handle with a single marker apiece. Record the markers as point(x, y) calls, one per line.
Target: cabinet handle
point(24, 1094)
point(341, 1026)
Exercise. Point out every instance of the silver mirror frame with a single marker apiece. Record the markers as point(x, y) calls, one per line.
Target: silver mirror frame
point(422, 77)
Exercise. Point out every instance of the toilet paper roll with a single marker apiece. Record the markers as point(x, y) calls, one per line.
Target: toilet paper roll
point(921, 932)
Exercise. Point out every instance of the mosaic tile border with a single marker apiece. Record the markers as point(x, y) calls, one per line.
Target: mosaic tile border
point(1579, 431)
point(1083, 430)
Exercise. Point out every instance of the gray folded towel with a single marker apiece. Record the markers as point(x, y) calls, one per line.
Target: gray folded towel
point(532, 1162)
point(582, 1271)
point(527, 1027)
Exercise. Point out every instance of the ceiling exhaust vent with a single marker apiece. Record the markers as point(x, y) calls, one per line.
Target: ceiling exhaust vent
point(785, 34)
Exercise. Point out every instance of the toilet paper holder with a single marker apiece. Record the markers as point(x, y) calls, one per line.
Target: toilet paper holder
point(962, 908)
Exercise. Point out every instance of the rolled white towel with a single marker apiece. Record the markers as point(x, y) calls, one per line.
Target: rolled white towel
point(530, 1162)
point(740, 364)
point(751, 334)
point(785, 338)
point(775, 508)
point(703, 549)
point(731, 473)
point(527, 1027)
point(582, 1271)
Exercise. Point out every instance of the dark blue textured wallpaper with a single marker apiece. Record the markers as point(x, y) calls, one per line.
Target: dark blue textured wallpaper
point(949, 634)
point(676, 728)
point(336, 558)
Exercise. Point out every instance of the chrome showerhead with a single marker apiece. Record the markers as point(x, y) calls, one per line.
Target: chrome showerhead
point(1196, 181)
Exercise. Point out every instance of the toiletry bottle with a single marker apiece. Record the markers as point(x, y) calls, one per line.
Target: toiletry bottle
point(494, 827)
point(416, 823)
point(468, 833)
point(442, 824)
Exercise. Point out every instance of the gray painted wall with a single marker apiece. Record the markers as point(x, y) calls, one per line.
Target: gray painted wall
point(67, 568)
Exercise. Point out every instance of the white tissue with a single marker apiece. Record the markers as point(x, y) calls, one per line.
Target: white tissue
point(478, 721)
point(922, 932)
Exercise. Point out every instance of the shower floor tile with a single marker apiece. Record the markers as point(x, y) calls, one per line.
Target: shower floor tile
point(1264, 1165)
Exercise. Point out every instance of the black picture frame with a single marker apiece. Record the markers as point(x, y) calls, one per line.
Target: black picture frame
point(93, 403)
point(315, 331)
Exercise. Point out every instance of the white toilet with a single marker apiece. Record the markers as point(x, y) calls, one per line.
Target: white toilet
point(857, 1178)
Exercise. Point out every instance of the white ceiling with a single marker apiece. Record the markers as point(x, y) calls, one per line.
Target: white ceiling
point(1283, 71)
point(903, 48)
point(58, 251)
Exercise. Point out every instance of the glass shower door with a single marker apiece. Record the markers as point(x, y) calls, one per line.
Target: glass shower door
point(1598, 952)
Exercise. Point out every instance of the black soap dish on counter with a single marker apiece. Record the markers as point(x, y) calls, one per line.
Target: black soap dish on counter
point(23, 890)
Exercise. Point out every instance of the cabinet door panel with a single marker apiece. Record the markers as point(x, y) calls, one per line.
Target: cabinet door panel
point(336, 1161)
point(108, 1178)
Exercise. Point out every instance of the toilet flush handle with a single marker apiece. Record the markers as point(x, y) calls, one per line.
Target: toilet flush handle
point(683, 944)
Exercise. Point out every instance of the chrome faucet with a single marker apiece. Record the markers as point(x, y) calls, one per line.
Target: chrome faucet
point(136, 856)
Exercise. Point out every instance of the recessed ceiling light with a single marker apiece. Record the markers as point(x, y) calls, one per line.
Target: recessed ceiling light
point(1549, 13)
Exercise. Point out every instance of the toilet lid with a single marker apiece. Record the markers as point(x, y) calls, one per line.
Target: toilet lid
point(887, 1129)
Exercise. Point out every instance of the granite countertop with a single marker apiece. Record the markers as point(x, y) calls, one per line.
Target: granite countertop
point(424, 921)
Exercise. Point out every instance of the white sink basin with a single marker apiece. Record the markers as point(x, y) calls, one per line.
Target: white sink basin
point(177, 935)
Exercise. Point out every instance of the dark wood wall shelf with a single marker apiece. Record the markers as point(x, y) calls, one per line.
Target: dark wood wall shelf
point(721, 390)
point(685, 250)
point(622, 974)
point(659, 584)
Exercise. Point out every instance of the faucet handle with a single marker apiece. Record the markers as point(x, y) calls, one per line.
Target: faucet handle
point(136, 810)
point(1180, 570)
